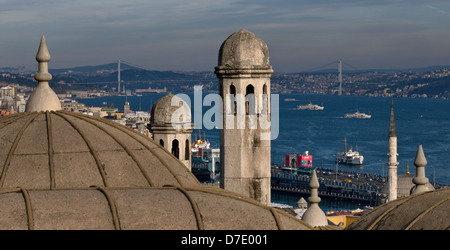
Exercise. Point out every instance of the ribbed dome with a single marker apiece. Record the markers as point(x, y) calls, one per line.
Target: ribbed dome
point(170, 106)
point(207, 208)
point(63, 149)
point(427, 210)
point(243, 49)
point(64, 170)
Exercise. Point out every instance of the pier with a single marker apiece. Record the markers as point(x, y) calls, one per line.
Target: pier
point(342, 185)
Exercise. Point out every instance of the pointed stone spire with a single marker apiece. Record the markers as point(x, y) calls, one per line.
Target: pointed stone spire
point(314, 216)
point(43, 97)
point(392, 127)
point(420, 180)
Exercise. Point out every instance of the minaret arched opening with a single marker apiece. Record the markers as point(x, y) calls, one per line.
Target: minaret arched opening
point(250, 100)
point(233, 96)
point(264, 100)
point(187, 151)
point(175, 149)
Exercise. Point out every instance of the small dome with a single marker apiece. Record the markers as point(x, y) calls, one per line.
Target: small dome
point(427, 211)
point(404, 185)
point(170, 107)
point(243, 49)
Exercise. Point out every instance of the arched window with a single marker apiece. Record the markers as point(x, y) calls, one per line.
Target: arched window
point(250, 99)
point(175, 148)
point(265, 100)
point(187, 152)
point(161, 142)
point(233, 101)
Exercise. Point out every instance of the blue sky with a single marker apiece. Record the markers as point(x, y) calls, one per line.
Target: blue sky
point(187, 34)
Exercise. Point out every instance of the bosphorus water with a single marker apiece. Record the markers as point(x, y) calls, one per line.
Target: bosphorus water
point(421, 121)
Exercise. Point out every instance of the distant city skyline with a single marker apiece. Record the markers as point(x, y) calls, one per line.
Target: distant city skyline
point(186, 35)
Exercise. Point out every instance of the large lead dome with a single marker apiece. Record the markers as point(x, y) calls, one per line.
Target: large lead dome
point(423, 211)
point(64, 170)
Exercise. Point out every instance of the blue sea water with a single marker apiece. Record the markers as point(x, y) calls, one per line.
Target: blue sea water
point(423, 122)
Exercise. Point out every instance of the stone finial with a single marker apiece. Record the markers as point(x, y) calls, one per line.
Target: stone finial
point(314, 216)
point(420, 180)
point(43, 55)
point(43, 97)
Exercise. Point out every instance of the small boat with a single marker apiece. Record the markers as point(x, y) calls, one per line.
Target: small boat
point(358, 114)
point(309, 106)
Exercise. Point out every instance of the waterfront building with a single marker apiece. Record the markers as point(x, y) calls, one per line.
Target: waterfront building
point(7, 91)
point(73, 105)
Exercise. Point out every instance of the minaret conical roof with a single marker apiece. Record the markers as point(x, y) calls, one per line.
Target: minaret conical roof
point(392, 127)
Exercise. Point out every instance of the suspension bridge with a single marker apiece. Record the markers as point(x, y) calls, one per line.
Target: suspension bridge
point(327, 67)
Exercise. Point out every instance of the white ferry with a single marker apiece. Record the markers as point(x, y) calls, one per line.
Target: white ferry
point(309, 106)
point(199, 147)
point(358, 114)
point(350, 157)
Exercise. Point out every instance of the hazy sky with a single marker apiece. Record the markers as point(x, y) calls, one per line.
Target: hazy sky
point(187, 34)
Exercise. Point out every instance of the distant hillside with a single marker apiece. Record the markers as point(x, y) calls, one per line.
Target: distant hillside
point(137, 75)
point(91, 69)
point(436, 87)
point(128, 73)
point(353, 70)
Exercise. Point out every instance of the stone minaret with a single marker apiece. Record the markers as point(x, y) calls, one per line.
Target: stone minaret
point(244, 85)
point(392, 164)
point(43, 97)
